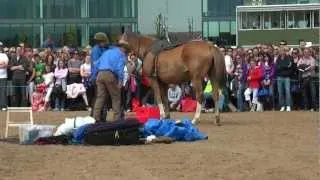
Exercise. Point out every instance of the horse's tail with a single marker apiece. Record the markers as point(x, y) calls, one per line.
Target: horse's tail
point(218, 68)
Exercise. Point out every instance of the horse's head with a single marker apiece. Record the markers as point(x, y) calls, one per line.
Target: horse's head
point(137, 43)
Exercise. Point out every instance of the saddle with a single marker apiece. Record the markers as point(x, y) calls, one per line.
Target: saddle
point(162, 45)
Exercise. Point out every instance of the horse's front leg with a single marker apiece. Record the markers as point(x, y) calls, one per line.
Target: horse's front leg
point(199, 96)
point(157, 95)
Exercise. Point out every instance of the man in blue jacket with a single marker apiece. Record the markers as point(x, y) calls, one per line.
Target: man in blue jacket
point(109, 81)
point(102, 44)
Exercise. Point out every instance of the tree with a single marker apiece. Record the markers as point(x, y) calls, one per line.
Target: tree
point(70, 37)
point(160, 26)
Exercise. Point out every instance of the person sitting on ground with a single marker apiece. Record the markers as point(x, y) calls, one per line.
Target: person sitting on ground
point(207, 93)
point(174, 96)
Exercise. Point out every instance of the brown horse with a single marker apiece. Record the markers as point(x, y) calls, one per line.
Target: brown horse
point(191, 61)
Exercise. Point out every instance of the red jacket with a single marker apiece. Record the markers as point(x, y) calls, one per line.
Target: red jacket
point(256, 75)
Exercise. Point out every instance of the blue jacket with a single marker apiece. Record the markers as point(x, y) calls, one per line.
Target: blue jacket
point(96, 52)
point(114, 60)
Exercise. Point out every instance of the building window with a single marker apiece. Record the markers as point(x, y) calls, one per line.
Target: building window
point(110, 8)
point(19, 9)
point(224, 26)
point(299, 19)
point(233, 27)
point(61, 9)
point(274, 20)
point(64, 34)
point(213, 29)
point(251, 20)
point(316, 18)
point(11, 35)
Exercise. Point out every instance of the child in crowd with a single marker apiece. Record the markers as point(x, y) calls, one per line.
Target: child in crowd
point(60, 87)
point(253, 79)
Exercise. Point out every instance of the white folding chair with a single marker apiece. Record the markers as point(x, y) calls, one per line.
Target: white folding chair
point(18, 123)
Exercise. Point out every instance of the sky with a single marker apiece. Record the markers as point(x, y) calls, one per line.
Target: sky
point(178, 13)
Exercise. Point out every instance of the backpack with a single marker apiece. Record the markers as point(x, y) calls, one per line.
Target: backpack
point(121, 132)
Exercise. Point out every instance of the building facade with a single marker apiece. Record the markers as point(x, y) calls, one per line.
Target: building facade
point(270, 24)
point(67, 22)
point(220, 22)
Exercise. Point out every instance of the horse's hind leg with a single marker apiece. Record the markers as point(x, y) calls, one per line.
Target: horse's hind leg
point(157, 95)
point(165, 100)
point(197, 84)
point(216, 94)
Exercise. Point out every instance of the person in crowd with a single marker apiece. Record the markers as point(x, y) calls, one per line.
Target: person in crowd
point(18, 65)
point(50, 61)
point(60, 87)
point(4, 60)
point(134, 69)
point(74, 68)
point(207, 94)
point(255, 75)
point(48, 77)
point(40, 68)
point(240, 74)
point(174, 97)
point(110, 79)
point(267, 83)
point(284, 65)
point(306, 65)
point(85, 72)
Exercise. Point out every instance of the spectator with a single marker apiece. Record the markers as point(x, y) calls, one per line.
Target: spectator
point(307, 67)
point(19, 67)
point(3, 81)
point(60, 74)
point(174, 96)
point(74, 68)
point(283, 73)
point(50, 61)
point(254, 78)
point(240, 81)
point(207, 94)
point(40, 68)
point(268, 69)
point(48, 77)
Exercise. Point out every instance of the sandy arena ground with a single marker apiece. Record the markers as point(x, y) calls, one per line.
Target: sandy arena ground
point(257, 146)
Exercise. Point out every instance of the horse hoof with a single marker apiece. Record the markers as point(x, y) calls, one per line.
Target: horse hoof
point(218, 121)
point(195, 122)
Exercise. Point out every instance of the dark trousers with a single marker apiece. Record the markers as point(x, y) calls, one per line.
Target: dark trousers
point(3, 93)
point(19, 97)
point(309, 86)
point(74, 78)
point(107, 86)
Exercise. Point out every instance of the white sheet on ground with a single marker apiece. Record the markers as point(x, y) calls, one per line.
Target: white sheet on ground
point(73, 123)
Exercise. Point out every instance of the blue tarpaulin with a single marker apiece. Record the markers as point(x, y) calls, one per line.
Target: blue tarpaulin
point(182, 131)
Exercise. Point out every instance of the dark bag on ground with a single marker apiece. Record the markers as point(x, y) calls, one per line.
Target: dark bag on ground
point(122, 132)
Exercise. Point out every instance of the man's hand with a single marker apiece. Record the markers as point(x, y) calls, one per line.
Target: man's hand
point(119, 85)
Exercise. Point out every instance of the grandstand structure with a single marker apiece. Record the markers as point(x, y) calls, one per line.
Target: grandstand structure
point(272, 23)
